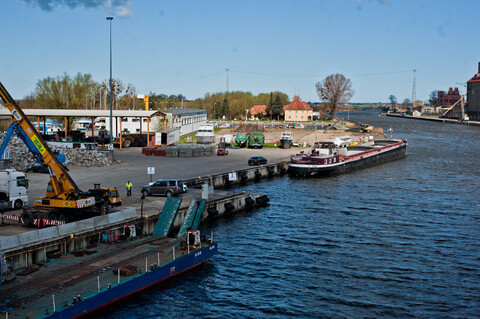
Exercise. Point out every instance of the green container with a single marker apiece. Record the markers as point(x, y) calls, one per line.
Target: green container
point(256, 140)
point(241, 140)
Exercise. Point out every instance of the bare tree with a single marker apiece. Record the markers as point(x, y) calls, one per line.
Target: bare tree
point(335, 89)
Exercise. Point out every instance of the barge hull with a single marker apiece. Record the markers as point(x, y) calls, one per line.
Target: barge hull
point(137, 284)
point(343, 167)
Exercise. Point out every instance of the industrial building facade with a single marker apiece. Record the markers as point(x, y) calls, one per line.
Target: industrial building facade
point(450, 98)
point(473, 97)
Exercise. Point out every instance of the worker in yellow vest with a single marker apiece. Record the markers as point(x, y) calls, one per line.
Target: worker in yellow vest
point(129, 188)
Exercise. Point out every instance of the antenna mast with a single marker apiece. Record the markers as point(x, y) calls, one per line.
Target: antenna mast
point(414, 89)
point(227, 78)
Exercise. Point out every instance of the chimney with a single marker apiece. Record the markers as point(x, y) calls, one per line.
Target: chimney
point(478, 67)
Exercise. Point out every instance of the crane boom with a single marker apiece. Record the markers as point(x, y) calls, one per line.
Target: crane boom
point(63, 184)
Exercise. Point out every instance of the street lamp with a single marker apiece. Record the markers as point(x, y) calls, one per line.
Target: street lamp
point(111, 97)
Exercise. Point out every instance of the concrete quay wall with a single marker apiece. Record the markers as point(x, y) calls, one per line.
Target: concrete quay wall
point(34, 247)
point(254, 173)
point(434, 119)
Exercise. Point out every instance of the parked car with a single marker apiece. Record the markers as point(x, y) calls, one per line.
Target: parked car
point(167, 187)
point(257, 160)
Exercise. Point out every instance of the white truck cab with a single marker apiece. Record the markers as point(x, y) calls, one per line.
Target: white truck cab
point(13, 189)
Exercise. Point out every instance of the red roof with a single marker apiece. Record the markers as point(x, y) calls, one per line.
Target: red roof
point(476, 77)
point(297, 104)
point(256, 109)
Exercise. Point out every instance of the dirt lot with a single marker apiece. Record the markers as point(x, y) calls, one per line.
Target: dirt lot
point(309, 136)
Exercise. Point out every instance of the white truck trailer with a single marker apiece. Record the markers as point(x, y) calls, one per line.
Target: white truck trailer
point(13, 189)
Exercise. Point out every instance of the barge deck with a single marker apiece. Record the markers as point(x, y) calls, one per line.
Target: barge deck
point(72, 285)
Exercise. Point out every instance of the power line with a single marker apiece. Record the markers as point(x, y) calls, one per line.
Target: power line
point(191, 80)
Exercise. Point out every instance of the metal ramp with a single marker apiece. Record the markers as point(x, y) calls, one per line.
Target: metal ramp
point(167, 216)
point(194, 215)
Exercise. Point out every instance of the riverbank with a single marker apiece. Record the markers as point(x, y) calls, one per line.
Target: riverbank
point(435, 119)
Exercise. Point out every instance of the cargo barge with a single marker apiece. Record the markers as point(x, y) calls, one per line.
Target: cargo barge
point(104, 267)
point(339, 156)
point(78, 284)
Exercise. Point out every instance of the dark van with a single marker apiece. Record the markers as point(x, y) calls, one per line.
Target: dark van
point(167, 187)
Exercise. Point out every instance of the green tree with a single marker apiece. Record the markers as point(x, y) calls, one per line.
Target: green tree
point(270, 106)
point(64, 92)
point(393, 101)
point(225, 108)
point(335, 89)
point(434, 99)
point(277, 107)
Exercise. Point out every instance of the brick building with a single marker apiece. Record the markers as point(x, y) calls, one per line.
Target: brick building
point(450, 98)
point(473, 97)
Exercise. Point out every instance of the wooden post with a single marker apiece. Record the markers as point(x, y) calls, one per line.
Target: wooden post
point(121, 133)
point(66, 126)
point(148, 131)
point(93, 126)
point(38, 123)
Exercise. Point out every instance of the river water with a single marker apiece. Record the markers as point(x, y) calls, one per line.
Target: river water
point(399, 239)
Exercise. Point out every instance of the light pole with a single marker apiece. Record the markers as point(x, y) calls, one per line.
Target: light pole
point(111, 96)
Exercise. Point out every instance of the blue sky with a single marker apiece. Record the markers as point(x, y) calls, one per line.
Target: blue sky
point(185, 47)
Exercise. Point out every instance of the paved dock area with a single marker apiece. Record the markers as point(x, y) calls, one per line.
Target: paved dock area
point(134, 169)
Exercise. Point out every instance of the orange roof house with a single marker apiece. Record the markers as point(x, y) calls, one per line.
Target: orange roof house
point(258, 109)
point(298, 110)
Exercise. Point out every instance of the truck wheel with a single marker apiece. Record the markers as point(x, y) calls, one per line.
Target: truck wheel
point(53, 216)
point(18, 204)
point(95, 210)
point(27, 217)
point(169, 193)
point(126, 143)
point(63, 218)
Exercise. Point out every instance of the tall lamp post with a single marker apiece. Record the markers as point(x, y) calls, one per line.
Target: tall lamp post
point(111, 95)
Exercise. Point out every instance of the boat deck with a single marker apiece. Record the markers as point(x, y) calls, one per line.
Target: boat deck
point(30, 293)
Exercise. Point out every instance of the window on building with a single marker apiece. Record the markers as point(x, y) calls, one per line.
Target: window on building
point(135, 119)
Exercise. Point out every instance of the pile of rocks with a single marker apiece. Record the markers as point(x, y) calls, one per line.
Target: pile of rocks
point(85, 158)
point(22, 159)
point(249, 128)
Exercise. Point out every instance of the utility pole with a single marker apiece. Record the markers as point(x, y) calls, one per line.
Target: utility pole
point(111, 96)
point(227, 78)
point(414, 89)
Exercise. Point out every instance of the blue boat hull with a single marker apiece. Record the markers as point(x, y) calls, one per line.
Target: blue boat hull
point(140, 282)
